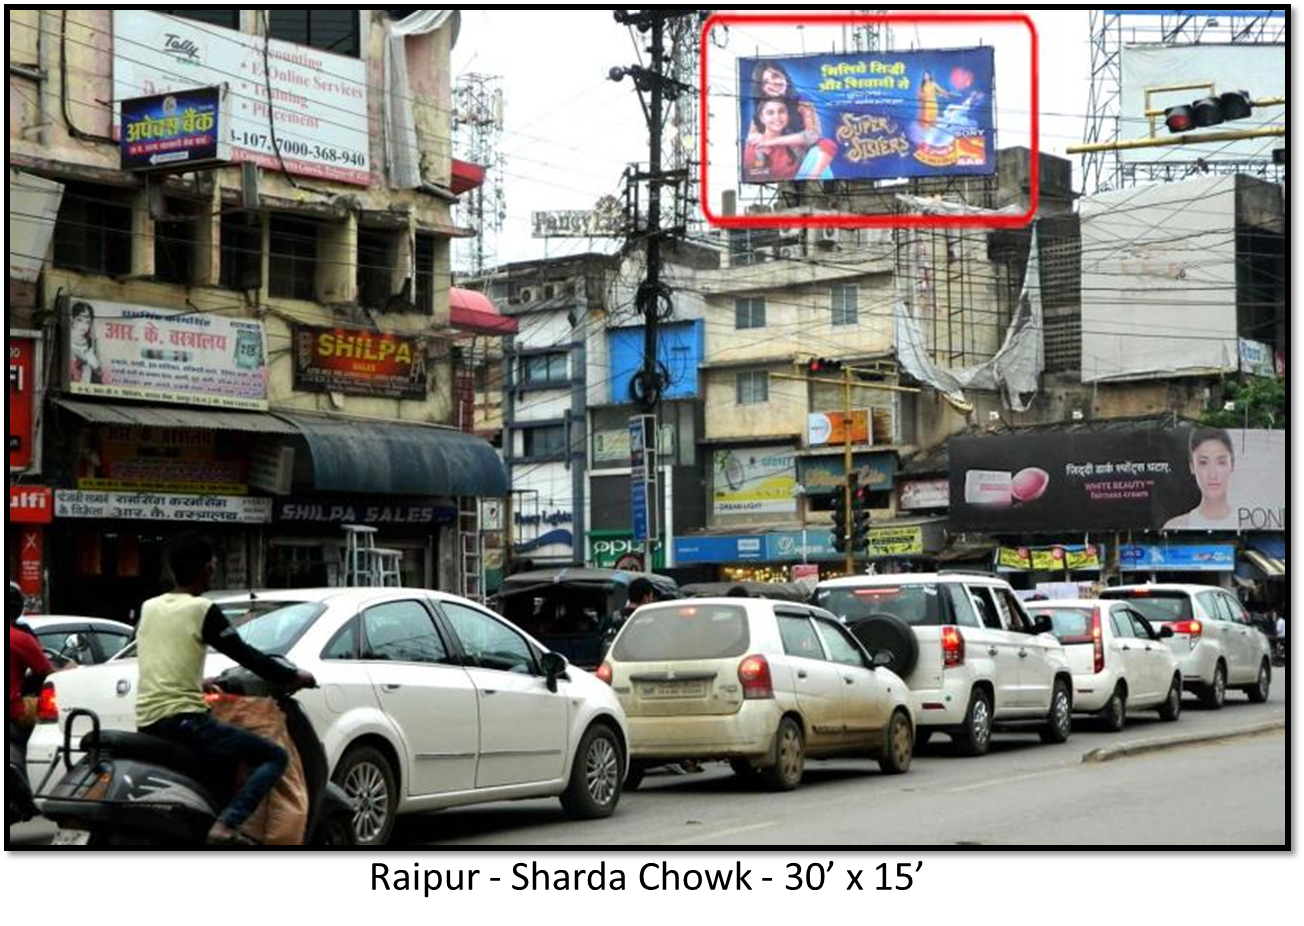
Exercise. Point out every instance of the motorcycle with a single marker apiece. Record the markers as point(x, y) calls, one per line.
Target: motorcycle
point(133, 789)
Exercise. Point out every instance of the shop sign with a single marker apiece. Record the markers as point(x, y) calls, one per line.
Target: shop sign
point(754, 480)
point(1257, 358)
point(833, 428)
point(145, 506)
point(122, 351)
point(917, 494)
point(612, 446)
point(618, 551)
point(31, 504)
point(825, 475)
point(187, 128)
point(1212, 557)
point(813, 543)
point(24, 380)
point(129, 459)
point(896, 541)
point(1057, 558)
point(377, 514)
point(359, 362)
point(31, 568)
point(271, 468)
point(736, 549)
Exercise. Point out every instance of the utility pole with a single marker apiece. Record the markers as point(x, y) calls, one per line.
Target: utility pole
point(850, 480)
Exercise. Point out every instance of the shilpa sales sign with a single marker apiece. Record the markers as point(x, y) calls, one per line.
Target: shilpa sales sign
point(359, 362)
point(317, 100)
point(122, 351)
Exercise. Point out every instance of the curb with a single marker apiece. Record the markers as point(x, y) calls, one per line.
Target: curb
point(1139, 747)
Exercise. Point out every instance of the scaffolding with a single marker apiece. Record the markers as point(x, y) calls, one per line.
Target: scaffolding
point(477, 138)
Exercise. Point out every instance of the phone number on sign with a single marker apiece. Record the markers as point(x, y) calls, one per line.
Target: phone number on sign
point(300, 149)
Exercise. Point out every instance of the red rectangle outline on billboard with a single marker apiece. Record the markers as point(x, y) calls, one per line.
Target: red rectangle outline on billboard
point(884, 220)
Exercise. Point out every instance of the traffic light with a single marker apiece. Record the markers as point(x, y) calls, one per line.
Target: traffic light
point(840, 525)
point(1211, 110)
point(824, 365)
point(860, 518)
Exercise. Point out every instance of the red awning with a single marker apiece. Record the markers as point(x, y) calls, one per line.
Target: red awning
point(466, 176)
point(475, 313)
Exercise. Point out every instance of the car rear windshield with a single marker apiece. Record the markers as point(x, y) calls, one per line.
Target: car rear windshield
point(1156, 607)
point(1071, 625)
point(682, 632)
point(276, 629)
point(915, 604)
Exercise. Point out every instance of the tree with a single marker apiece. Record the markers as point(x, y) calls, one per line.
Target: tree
point(1258, 402)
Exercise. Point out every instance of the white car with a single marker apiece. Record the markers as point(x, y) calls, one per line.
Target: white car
point(1120, 663)
point(426, 701)
point(760, 683)
point(86, 641)
point(964, 644)
point(1216, 644)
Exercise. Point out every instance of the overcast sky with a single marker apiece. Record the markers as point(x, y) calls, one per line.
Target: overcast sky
point(570, 131)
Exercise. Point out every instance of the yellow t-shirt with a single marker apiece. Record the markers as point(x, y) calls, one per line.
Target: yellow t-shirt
point(170, 654)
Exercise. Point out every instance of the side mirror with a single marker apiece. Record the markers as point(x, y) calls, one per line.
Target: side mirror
point(882, 660)
point(554, 667)
point(1165, 632)
point(1043, 624)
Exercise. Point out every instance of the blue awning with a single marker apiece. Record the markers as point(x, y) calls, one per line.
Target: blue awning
point(392, 458)
point(1274, 547)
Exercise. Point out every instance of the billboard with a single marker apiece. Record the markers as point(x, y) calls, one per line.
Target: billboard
point(867, 116)
point(1260, 69)
point(1159, 270)
point(317, 99)
point(24, 402)
point(755, 480)
point(122, 351)
point(359, 362)
point(1185, 479)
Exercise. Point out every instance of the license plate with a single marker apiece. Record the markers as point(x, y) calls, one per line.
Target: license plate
point(71, 838)
point(674, 690)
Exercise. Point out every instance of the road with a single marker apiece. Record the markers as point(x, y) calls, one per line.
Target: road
point(1022, 793)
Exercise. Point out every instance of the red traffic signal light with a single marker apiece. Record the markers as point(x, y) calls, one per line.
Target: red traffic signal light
point(1212, 110)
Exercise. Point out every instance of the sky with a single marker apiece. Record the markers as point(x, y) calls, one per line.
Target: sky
point(569, 131)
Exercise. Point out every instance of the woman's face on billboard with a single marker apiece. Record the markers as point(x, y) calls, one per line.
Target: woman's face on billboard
point(1211, 464)
point(773, 83)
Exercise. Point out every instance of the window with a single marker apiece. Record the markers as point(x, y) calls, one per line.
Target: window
point(242, 251)
point(274, 631)
point(841, 649)
point(753, 388)
point(93, 231)
point(425, 273)
point(749, 312)
point(111, 643)
point(377, 257)
point(657, 633)
point(1211, 608)
point(226, 17)
point(1235, 613)
point(544, 368)
point(401, 631)
point(915, 604)
point(962, 611)
point(548, 441)
point(487, 642)
point(1120, 622)
point(293, 257)
point(846, 305)
point(1140, 626)
point(176, 244)
point(799, 637)
point(1015, 616)
point(333, 29)
point(988, 613)
point(344, 645)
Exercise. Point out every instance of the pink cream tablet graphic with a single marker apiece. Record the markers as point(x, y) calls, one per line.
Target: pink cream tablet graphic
point(1029, 484)
point(987, 487)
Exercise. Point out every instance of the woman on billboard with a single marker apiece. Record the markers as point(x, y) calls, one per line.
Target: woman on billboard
point(1212, 461)
point(802, 137)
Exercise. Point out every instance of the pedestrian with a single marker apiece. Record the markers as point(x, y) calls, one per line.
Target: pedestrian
point(27, 665)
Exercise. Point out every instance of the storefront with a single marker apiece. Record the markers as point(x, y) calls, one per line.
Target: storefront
point(617, 550)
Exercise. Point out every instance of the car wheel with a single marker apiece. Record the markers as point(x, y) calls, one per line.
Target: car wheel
point(1115, 713)
point(1259, 693)
point(367, 778)
point(634, 777)
point(594, 789)
point(1171, 709)
point(975, 736)
point(1060, 722)
point(789, 759)
point(1214, 695)
point(900, 745)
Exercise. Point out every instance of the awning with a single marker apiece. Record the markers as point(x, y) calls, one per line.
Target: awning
point(475, 313)
point(1270, 566)
point(392, 458)
point(166, 416)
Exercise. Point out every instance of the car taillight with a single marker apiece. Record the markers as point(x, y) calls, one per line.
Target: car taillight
point(47, 706)
point(1192, 627)
point(952, 647)
point(754, 673)
point(1097, 642)
point(604, 672)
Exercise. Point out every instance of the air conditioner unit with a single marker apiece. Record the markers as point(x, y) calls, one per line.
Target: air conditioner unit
point(787, 252)
point(829, 235)
point(525, 295)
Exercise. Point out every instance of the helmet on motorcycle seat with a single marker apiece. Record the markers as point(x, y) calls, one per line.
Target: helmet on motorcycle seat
point(14, 603)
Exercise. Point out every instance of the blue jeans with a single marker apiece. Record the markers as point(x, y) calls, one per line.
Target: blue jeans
point(228, 745)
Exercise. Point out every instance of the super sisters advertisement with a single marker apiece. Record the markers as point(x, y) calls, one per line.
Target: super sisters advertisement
point(867, 116)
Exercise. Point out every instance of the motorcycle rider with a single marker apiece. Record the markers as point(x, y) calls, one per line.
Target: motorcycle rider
point(174, 630)
point(25, 656)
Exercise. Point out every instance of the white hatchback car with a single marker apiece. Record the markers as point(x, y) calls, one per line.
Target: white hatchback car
point(972, 657)
point(1120, 663)
point(1216, 644)
point(426, 701)
point(760, 683)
